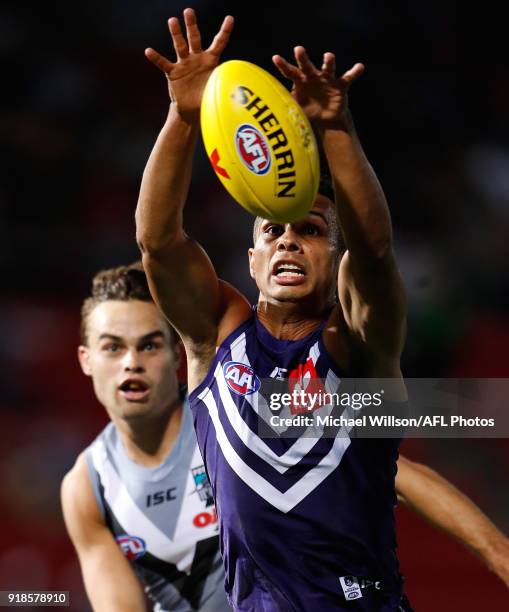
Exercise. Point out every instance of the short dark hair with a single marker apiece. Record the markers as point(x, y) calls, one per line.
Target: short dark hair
point(122, 283)
point(326, 189)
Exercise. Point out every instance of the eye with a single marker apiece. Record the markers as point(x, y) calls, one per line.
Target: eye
point(111, 347)
point(274, 230)
point(150, 346)
point(310, 229)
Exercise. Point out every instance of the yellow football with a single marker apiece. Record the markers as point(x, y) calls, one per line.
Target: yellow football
point(259, 142)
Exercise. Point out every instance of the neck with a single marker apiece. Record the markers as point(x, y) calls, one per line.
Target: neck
point(150, 439)
point(289, 320)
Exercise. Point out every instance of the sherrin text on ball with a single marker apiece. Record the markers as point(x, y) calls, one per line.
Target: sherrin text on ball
point(259, 142)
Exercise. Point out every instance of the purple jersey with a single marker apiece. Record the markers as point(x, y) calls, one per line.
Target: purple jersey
point(307, 523)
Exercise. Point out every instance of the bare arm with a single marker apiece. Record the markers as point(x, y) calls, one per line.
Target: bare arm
point(180, 274)
point(369, 285)
point(110, 582)
point(444, 506)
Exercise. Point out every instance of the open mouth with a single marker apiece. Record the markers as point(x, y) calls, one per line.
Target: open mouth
point(134, 390)
point(289, 270)
point(289, 273)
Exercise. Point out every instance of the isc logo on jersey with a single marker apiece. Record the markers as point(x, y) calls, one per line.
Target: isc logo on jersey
point(132, 546)
point(253, 149)
point(241, 378)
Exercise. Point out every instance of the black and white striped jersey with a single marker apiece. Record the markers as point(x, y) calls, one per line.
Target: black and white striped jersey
point(163, 518)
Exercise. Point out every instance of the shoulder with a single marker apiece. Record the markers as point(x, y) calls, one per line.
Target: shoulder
point(354, 351)
point(75, 478)
point(235, 310)
point(79, 505)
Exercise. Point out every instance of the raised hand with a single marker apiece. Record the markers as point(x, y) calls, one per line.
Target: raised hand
point(322, 95)
point(188, 76)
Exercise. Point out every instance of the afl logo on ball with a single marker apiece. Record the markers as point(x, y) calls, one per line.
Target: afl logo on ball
point(132, 547)
point(253, 149)
point(241, 378)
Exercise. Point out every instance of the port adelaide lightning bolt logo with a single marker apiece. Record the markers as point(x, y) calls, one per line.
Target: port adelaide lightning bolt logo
point(202, 484)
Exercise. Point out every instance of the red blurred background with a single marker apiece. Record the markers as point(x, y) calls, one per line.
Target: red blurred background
point(81, 109)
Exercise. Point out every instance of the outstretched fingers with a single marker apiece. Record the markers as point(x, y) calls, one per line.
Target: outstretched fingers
point(354, 73)
point(192, 31)
point(329, 64)
point(289, 71)
point(303, 61)
point(159, 60)
point(179, 42)
point(222, 37)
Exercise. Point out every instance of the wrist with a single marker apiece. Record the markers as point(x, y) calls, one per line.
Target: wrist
point(188, 120)
point(185, 122)
point(341, 138)
point(344, 123)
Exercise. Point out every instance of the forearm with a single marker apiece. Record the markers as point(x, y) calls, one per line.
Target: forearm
point(109, 579)
point(165, 184)
point(125, 599)
point(443, 505)
point(361, 205)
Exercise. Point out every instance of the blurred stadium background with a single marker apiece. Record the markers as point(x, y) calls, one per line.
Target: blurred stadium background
point(81, 108)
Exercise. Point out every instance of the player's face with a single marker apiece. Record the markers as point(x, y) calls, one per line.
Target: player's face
point(131, 359)
point(293, 261)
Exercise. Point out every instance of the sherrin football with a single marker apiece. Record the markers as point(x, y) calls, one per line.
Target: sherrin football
point(259, 142)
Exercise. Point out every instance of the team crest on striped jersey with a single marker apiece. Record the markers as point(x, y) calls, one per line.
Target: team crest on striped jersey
point(233, 433)
point(203, 487)
point(241, 378)
point(132, 546)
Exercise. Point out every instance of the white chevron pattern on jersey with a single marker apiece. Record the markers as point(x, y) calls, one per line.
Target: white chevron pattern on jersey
point(301, 446)
point(281, 463)
point(297, 492)
point(238, 353)
point(179, 551)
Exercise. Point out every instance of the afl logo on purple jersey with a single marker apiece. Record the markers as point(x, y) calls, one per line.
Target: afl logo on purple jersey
point(253, 149)
point(132, 546)
point(241, 378)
